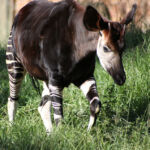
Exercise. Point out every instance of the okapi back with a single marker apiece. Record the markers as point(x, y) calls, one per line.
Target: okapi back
point(51, 41)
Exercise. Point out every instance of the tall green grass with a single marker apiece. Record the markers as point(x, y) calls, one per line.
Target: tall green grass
point(122, 123)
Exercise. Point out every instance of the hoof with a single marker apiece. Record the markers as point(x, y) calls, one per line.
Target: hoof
point(95, 106)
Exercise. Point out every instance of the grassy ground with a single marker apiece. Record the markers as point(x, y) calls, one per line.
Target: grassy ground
point(122, 123)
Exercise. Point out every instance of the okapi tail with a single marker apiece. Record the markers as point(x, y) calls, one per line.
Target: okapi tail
point(35, 84)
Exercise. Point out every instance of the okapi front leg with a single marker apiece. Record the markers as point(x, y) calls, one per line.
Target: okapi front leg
point(56, 96)
point(89, 90)
point(45, 108)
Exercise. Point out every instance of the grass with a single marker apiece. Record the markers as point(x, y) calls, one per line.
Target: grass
point(123, 123)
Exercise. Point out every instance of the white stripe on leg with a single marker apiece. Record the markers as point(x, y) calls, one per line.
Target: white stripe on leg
point(57, 116)
point(45, 112)
point(56, 94)
point(12, 107)
point(45, 90)
point(89, 90)
point(91, 122)
point(85, 87)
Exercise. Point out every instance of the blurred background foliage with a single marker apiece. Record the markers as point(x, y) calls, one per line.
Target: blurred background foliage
point(112, 9)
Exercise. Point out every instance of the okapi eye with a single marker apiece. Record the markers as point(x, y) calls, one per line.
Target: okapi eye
point(106, 49)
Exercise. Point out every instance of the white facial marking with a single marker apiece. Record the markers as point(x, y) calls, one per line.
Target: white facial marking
point(107, 59)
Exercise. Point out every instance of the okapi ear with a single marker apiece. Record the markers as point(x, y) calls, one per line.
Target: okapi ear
point(129, 16)
point(93, 20)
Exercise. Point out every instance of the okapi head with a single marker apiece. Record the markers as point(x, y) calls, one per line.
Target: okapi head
point(111, 41)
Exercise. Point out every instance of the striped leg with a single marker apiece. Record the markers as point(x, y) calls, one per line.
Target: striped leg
point(16, 73)
point(89, 90)
point(45, 108)
point(56, 96)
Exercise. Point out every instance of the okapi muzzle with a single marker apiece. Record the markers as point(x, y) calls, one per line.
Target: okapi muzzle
point(118, 73)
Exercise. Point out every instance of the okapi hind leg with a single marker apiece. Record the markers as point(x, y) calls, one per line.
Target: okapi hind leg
point(16, 74)
point(89, 90)
point(45, 108)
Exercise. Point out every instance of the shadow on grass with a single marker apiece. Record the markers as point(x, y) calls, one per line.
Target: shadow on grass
point(2, 59)
point(137, 109)
point(135, 37)
point(3, 78)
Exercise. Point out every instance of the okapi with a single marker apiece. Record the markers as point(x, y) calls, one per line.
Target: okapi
point(57, 43)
